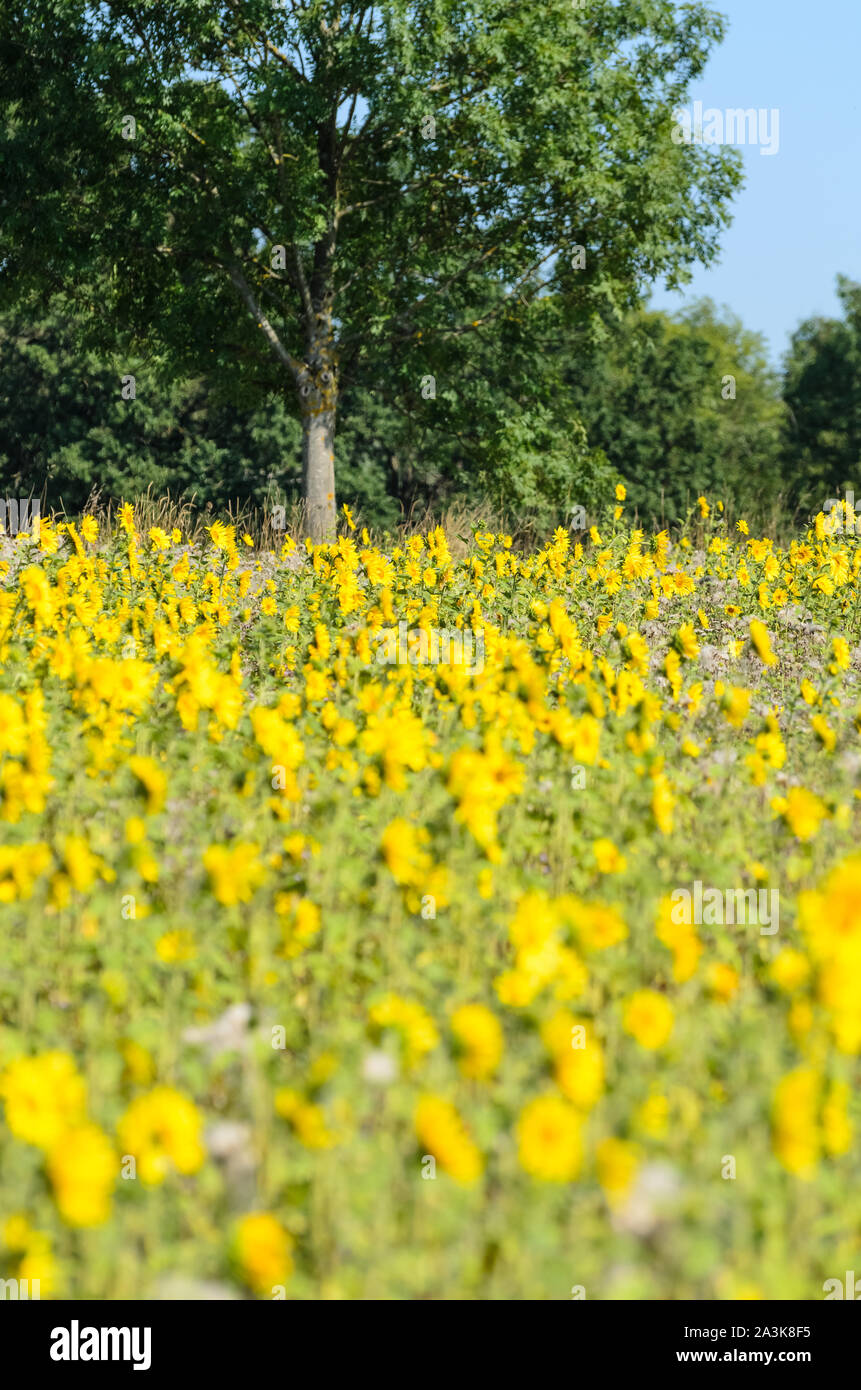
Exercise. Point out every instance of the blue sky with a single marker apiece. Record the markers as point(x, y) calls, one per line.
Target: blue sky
point(797, 221)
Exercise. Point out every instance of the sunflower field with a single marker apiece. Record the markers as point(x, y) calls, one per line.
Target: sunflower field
point(330, 970)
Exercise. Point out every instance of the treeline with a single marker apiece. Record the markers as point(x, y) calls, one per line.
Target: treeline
point(675, 405)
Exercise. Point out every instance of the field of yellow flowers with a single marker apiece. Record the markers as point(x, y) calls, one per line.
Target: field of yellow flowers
point(330, 976)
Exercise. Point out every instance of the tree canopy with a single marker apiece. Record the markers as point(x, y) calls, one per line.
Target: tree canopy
point(681, 405)
point(822, 390)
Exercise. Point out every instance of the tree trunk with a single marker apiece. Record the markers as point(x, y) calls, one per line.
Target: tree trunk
point(318, 396)
point(318, 465)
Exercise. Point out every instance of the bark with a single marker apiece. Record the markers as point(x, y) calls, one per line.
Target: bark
point(318, 394)
point(318, 470)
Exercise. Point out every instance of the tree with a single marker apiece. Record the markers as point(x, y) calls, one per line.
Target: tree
point(683, 405)
point(822, 391)
point(362, 182)
point(65, 426)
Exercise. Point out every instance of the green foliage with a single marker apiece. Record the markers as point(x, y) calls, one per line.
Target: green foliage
point(822, 390)
point(66, 431)
point(535, 471)
point(656, 399)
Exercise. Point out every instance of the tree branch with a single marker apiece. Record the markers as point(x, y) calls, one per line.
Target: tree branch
point(246, 294)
